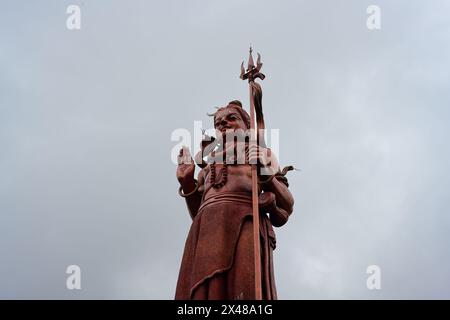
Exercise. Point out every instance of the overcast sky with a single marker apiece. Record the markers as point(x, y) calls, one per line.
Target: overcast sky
point(86, 117)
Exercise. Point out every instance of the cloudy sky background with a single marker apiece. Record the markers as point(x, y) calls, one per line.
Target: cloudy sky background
point(86, 119)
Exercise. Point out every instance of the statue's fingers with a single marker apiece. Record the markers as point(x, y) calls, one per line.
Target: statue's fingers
point(262, 158)
point(182, 159)
point(186, 154)
point(259, 155)
point(187, 157)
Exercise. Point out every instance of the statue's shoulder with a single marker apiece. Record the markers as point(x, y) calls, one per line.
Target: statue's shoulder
point(204, 170)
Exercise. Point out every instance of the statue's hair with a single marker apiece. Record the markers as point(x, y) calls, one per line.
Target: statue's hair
point(236, 105)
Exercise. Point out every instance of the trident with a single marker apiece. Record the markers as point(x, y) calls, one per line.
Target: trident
point(255, 92)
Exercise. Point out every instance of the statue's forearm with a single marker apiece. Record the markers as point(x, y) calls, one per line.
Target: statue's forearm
point(192, 201)
point(193, 204)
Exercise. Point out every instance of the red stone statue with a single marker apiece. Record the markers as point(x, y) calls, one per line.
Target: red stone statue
point(219, 256)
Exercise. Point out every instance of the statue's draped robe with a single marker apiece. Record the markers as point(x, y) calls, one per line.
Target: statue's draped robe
point(218, 260)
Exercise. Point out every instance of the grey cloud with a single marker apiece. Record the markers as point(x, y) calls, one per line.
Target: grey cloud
point(86, 119)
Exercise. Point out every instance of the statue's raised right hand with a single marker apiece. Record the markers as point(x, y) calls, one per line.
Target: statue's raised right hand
point(186, 167)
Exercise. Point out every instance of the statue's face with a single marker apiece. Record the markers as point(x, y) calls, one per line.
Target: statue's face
point(228, 119)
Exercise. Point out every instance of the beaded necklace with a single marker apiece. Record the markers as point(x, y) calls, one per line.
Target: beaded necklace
point(212, 177)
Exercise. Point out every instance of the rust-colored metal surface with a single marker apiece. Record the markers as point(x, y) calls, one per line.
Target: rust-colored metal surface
point(228, 251)
point(251, 74)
